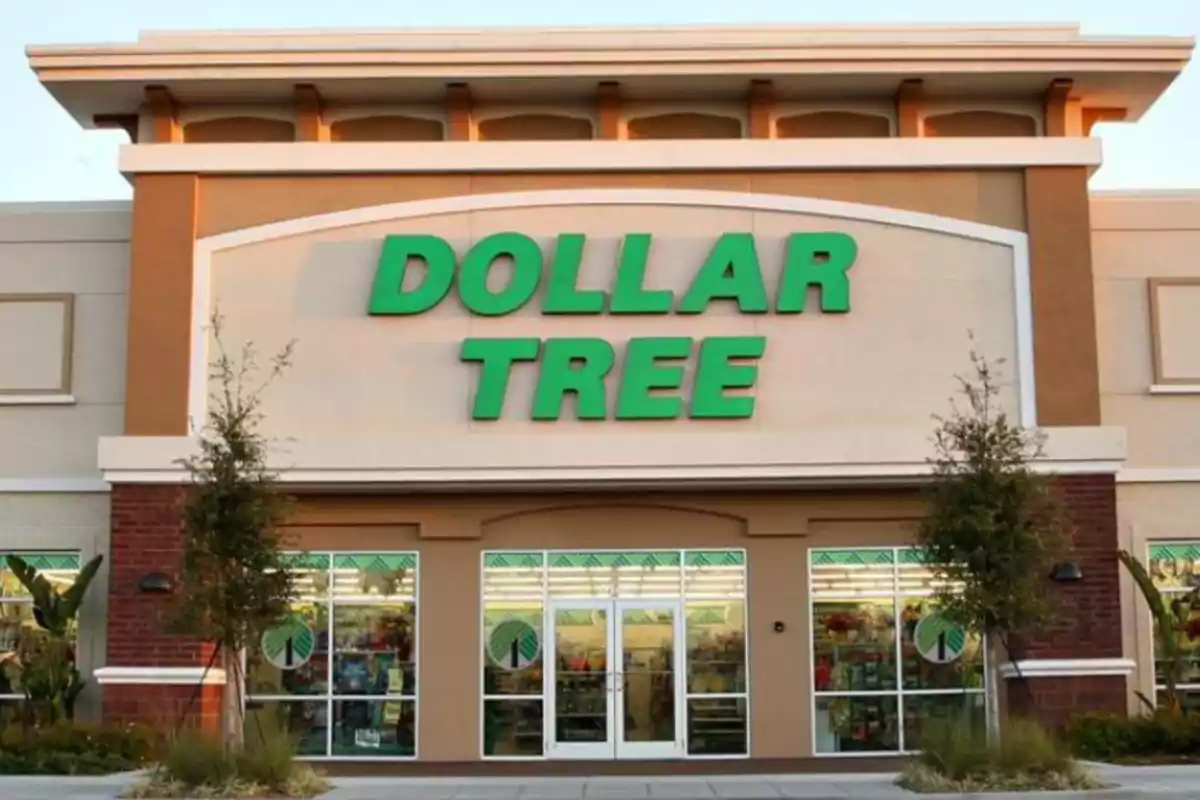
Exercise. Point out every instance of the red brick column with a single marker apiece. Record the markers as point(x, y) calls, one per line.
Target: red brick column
point(146, 537)
point(1087, 620)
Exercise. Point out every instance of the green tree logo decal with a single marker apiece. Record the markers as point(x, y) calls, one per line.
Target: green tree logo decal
point(514, 644)
point(938, 639)
point(289, 645)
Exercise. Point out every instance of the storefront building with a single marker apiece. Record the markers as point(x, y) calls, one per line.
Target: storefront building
point(615, 360)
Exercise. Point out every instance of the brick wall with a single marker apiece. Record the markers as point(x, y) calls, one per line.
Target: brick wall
point(147, 537)
point(1087, 619)
point(1054, 700)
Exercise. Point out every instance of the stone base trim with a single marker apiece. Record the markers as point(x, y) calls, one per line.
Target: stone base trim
point(158, 676)
point(1067, 667)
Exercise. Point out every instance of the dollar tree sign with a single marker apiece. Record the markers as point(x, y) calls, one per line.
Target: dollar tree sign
point(290, 644)
point(514, 644)
point(938, 639)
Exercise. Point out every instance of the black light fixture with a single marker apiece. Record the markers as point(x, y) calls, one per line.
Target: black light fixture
point(1066, 572)
point(155, 583)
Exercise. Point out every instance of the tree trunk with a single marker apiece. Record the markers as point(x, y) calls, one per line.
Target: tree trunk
point(991, 680)
point(233, 711)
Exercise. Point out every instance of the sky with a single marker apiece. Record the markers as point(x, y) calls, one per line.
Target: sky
point(44, 155)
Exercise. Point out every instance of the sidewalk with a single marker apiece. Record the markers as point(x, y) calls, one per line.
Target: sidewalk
point(1133, 783)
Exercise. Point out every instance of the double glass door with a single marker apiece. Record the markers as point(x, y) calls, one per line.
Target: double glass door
point(616, 678)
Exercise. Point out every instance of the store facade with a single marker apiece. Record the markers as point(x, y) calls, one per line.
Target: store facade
point(608, 448)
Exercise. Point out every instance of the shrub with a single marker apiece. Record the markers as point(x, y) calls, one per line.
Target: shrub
point(74, 748)
point(1152, 737)
point(195, 759)
point(957, 757)
point(202, 766)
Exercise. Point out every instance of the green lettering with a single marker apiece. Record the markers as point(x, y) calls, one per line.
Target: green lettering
point(715, 373)
point(643, 373)
point(562, 296)
point(387, 291)
point(821, 260)
point(628, 296)
point(731, 272)
point(496, 358)
point(576, 366)
point(527, 273)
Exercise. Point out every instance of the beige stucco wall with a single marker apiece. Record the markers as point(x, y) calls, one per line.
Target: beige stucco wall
point(1137, 238)
point(81, 250)
point(886, 365)
point(51, 493)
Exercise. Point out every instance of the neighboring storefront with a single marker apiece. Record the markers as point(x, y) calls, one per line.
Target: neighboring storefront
point(608, 417)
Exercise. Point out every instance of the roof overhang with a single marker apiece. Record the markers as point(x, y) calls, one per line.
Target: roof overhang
point(677, 62)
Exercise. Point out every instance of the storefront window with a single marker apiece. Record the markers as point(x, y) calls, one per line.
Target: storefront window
point(1175, 569)
point(340, 675)
point(16, 616)
point(885, 661)
point(657, 637)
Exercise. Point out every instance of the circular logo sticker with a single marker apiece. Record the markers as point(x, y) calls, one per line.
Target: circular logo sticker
point(514, 644)
point(289, 645)
point(938, 639)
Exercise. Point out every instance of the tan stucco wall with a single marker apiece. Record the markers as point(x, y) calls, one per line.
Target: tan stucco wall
point(1136, 239)
point(82, 250)
point(916, 296)
point(1148, 513)
point(769, 527)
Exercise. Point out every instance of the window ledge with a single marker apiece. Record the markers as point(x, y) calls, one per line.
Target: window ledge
point(1175, 388)
point(170, 676)
point(1068, 667)
point(37, 399)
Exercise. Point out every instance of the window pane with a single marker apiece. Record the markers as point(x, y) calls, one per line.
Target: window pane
point(716, 647)
point(936, 653)
point(854, 645)
point(374, 649)
point(374, 728)
point(304, 721)
point(1189, 650)
point(367, 576)
point(1175, 566)
point(270, 673)
point(857, 725)
point(512, 648)
point(716, 726)
point(920, 710)
point(512, 728)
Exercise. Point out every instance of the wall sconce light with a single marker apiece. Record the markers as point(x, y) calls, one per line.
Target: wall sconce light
point(155, 583)
point(1066, 572)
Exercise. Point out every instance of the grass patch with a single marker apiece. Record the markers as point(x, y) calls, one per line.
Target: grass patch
point(199, 766)
point(957, 757)
point(918, 777)
point(303, 782)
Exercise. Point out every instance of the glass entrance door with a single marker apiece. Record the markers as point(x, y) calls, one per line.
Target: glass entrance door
point(649, 714)
point(582, 683)
point(616, 681)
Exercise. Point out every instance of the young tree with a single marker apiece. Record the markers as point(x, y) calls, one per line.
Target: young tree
point(233, 582)
point(994, 530)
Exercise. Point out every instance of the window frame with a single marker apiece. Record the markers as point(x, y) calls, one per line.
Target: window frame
point(1167, 593)
point(27, 600)
point(331, 697)
point(682, 597)
point(899, 693)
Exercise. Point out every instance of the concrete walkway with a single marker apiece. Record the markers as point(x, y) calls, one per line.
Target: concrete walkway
point(1133, 783)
